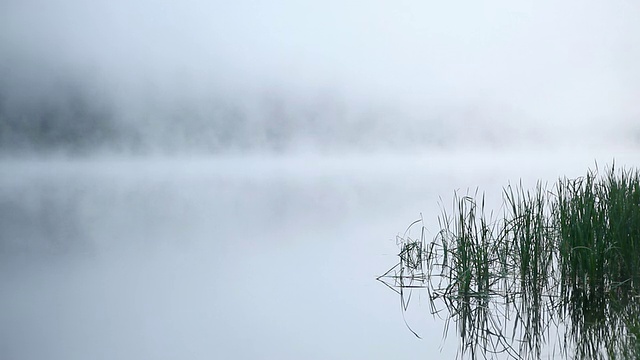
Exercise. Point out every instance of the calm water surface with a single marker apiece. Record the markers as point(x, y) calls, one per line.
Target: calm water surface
point(231, 258)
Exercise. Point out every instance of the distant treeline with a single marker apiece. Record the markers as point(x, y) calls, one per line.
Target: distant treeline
point(75, 117)
point(65, 120)
point(70, 118)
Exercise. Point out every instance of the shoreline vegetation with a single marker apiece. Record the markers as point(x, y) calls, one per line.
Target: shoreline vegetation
point(555, 274)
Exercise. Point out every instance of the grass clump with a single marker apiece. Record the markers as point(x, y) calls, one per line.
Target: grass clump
point(599, 224)
point(559, 262)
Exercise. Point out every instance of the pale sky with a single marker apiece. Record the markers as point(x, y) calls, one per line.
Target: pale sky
point(570, 65)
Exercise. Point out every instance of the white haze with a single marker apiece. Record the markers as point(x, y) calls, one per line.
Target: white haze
point(456, 73)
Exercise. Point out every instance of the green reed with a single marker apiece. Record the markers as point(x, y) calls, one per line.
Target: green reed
point(565, 257)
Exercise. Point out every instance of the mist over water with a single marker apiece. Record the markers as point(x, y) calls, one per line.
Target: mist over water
point(211, 77)
point(225, 180)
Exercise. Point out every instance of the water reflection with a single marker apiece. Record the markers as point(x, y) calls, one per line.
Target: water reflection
point(524, 319)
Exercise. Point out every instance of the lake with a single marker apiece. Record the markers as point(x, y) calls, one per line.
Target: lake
point(233, 257)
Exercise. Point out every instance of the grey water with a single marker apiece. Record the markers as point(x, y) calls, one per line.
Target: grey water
point(247, 257)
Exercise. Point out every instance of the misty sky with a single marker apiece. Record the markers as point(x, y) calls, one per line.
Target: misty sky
point(566, 67)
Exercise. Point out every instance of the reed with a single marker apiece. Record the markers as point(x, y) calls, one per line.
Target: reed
point(560, 257)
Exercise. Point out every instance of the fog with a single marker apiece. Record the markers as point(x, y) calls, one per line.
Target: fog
point(211, 77)
point(203, 179)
